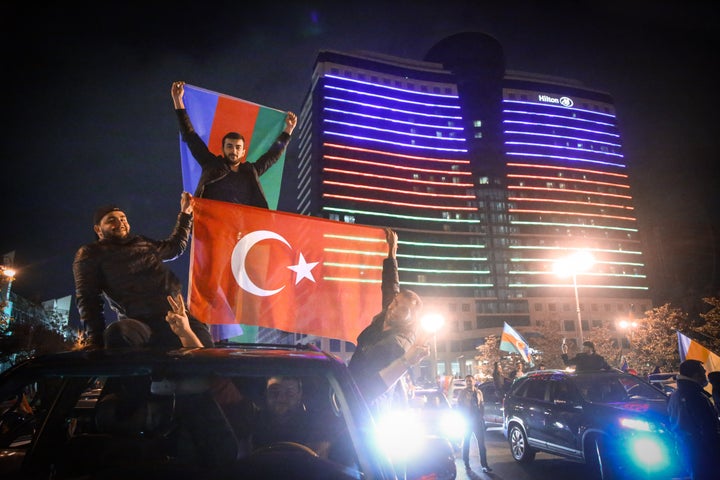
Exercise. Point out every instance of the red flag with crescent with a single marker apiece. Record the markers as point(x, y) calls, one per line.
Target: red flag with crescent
point(282, 270)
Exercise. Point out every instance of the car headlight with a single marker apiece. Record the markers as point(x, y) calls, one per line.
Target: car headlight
point(636, 424)
point(399, 434)
point(453, 425)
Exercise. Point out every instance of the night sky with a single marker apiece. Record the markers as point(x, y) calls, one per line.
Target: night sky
point(90, 118)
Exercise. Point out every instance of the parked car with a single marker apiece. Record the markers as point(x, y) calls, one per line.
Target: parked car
point(667, 382)
point(614, 422)
point(493, 405)
point(182, 414)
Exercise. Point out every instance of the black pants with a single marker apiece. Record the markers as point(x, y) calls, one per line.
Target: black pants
point(477, 428)
point(128, 332)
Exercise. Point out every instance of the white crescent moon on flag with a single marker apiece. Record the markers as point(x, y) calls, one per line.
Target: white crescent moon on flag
point(239, 254)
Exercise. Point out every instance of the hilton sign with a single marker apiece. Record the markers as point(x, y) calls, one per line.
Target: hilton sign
point(564, 101)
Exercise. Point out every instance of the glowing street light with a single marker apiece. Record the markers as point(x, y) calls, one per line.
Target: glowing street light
point(431, 323)
point(571, 265)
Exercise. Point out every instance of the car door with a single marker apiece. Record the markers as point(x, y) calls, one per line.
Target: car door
point(534, 405)
point(563, 418)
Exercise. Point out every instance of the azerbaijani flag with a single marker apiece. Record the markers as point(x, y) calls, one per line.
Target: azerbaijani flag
point(281, 270)
point(215, 114)
point(691, 350)
point(511, 341)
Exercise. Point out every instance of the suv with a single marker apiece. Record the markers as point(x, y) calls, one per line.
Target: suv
point(614, 422)
point(182, 414)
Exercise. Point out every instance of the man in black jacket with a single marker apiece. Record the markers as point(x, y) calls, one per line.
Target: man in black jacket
point(390, 345)
point(694, 422)
point(129, 271)
point(585, 360)
point(228, 177)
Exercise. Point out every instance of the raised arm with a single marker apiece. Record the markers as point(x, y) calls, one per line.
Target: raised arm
point(177, 92)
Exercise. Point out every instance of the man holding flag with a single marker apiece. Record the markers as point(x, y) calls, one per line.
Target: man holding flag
point(228, 177)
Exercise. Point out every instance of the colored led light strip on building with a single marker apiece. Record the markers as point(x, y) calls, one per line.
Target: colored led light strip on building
point(399, 204)
point(571, 159)
point(394, 110)
point(395, 190)
point(571, 214)
point(567, 169)
point(573, 225)
point(561, 137)
point(393, 120)
point(393, 132)
point(566, 127)
point(404, 217)
point(555, 285)
point(560, 108)
point(395, 179)
point(391, 99)
point(568, 180)
point(399, 144)
point(401, 155)
point(565, 190)
point(389, 87)
point(561, 147)
point(570, 202)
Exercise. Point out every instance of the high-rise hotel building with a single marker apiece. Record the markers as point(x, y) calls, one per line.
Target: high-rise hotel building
point(490, 177)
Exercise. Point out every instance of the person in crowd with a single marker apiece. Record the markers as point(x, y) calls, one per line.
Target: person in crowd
point(586, 360)
point(228, 177)
point(390, 345)
point(129, 271)
point(498, 377)
point(694, 422)
point(714, 379)
point(470, 401)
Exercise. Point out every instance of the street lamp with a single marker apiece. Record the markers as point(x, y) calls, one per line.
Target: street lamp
point(571, 265)
point(7, 275)
point(431, 323)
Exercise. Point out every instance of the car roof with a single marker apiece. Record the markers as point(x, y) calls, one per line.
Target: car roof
point(236, 358)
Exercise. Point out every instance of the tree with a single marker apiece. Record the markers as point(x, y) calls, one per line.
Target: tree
point(547, 340)
point(654, 341)
point(710, 329)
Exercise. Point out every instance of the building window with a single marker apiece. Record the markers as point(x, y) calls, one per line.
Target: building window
point(465, 307)
point(538, 307)
point(334, 345)
point(467, 325)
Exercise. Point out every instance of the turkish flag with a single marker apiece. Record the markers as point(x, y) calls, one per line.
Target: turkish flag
point(286, 271)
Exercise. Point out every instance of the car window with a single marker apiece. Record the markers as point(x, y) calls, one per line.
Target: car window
point(533, 388)
point(616, 388)
point(563, 392)
point(194, 420)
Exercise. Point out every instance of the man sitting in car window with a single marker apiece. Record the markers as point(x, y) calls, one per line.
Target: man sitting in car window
point(585, 360)
point(285, 418)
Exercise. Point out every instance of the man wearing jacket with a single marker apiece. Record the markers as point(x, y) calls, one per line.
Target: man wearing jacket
point(129, 271)
point(228, 177)
point(585, 360)
point(694, 422)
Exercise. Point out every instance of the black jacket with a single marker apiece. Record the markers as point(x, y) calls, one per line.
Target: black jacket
point(215, 167)
point(584, 362)
point(378, 348)
point(132, 275)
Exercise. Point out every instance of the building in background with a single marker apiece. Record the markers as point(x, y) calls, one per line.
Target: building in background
point(490, 178)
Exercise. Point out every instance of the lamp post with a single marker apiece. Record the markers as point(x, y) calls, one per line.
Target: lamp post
point(431, 323)
point(7, 275)
point(571, 265)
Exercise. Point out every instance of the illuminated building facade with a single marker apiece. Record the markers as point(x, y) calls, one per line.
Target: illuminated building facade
point(488, 176)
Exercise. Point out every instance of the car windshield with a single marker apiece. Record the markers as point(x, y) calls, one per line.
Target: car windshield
point(193, 421)
point(615, 389)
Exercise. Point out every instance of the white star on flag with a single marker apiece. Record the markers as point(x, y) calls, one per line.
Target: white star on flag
point(303, 269)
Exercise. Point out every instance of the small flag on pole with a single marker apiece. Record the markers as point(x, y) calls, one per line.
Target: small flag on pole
point(511, 341)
